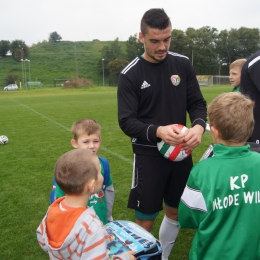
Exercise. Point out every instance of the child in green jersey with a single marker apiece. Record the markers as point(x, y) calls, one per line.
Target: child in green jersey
point(222, 197)
point(86, 134)
point(235, 74)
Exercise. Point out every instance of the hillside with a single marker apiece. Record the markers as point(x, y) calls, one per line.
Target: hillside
point(49, 61)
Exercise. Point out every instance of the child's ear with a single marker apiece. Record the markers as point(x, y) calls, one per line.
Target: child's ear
point(74, 143)
point(214, 133)
point(214, 130)
point(90, 186)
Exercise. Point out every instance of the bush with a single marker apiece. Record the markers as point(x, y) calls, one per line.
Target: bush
point(78, 82)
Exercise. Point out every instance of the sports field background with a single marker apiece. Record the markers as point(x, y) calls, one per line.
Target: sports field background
point(37, 123)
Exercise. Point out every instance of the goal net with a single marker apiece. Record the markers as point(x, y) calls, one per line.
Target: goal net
point(221, 80)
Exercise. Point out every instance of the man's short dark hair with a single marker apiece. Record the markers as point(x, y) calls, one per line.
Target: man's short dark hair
point(155, 18)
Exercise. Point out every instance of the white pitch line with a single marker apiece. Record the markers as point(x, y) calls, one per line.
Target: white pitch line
point(36, 112)
point(68, 129)
point(117, 155)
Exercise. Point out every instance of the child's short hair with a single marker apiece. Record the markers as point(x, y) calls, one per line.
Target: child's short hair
point(232, 115)
point(74, 169)
point(86, 125)
point(237, 63)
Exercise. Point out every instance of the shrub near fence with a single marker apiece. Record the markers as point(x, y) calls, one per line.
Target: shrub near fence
point(205, 80)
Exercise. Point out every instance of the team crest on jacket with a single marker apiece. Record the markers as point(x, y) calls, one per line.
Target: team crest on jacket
point(175, 79)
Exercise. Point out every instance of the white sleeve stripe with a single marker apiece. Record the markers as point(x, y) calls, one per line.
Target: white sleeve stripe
point(252, 62)
point(130, 65)
point(177, 54)
point(194, 199)
point(147, 132)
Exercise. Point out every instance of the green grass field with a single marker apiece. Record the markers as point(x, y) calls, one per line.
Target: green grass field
point(37, 123)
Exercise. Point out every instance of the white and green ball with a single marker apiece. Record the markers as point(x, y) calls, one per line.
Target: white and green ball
point(3, 139)
point(174, 153)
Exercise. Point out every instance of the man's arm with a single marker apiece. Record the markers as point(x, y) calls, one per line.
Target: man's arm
point(197, 109)
point(128, 103)
point(254, 73)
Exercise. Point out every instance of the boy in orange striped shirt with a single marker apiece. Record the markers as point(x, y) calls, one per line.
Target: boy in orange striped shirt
point(70, 230)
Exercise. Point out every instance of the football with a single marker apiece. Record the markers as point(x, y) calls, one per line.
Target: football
point(3, 139)
point(174, 153)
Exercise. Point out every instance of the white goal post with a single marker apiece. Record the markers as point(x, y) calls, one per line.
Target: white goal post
point(210, 80)
point(221, 80)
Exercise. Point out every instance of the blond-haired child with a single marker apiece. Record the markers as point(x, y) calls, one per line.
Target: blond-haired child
point(222, 196)
point(235, 73)
point(86, 134)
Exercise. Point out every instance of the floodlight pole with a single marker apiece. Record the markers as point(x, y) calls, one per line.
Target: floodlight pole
point(220, 62)
point(22, 73)
point(76, 60)
point(29, 70)
point(22, 65)
point(103, 70)
point(25, 80)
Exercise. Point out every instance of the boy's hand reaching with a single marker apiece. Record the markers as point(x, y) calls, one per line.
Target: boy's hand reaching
point(130, 255)
point(126, 256)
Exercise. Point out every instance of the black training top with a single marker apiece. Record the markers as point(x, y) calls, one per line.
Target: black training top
point(158, 94)
point(250, 86)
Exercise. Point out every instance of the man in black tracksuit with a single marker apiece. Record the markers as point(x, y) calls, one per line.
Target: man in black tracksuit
point(155, 91)
point(250, 86)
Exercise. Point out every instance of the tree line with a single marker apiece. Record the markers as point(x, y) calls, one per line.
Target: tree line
point(206, 47)
point(19, 49)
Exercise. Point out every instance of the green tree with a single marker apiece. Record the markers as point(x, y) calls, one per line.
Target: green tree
point(109, 53)
point(222, 46)
point(112, 51)
point(19, 49)
point(202, 43)
point(11, 79)
point(192, 46)
point(179, 42)
point(116, 66)
point(54, 37)
point(4, 48)
point(133, 47)
point(245, 41)
point(237, 43)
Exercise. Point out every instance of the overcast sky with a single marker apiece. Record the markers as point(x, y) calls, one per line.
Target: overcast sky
point(84, 20)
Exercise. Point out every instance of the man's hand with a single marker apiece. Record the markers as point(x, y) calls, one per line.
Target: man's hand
point(192, 137)
point(170, 134)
